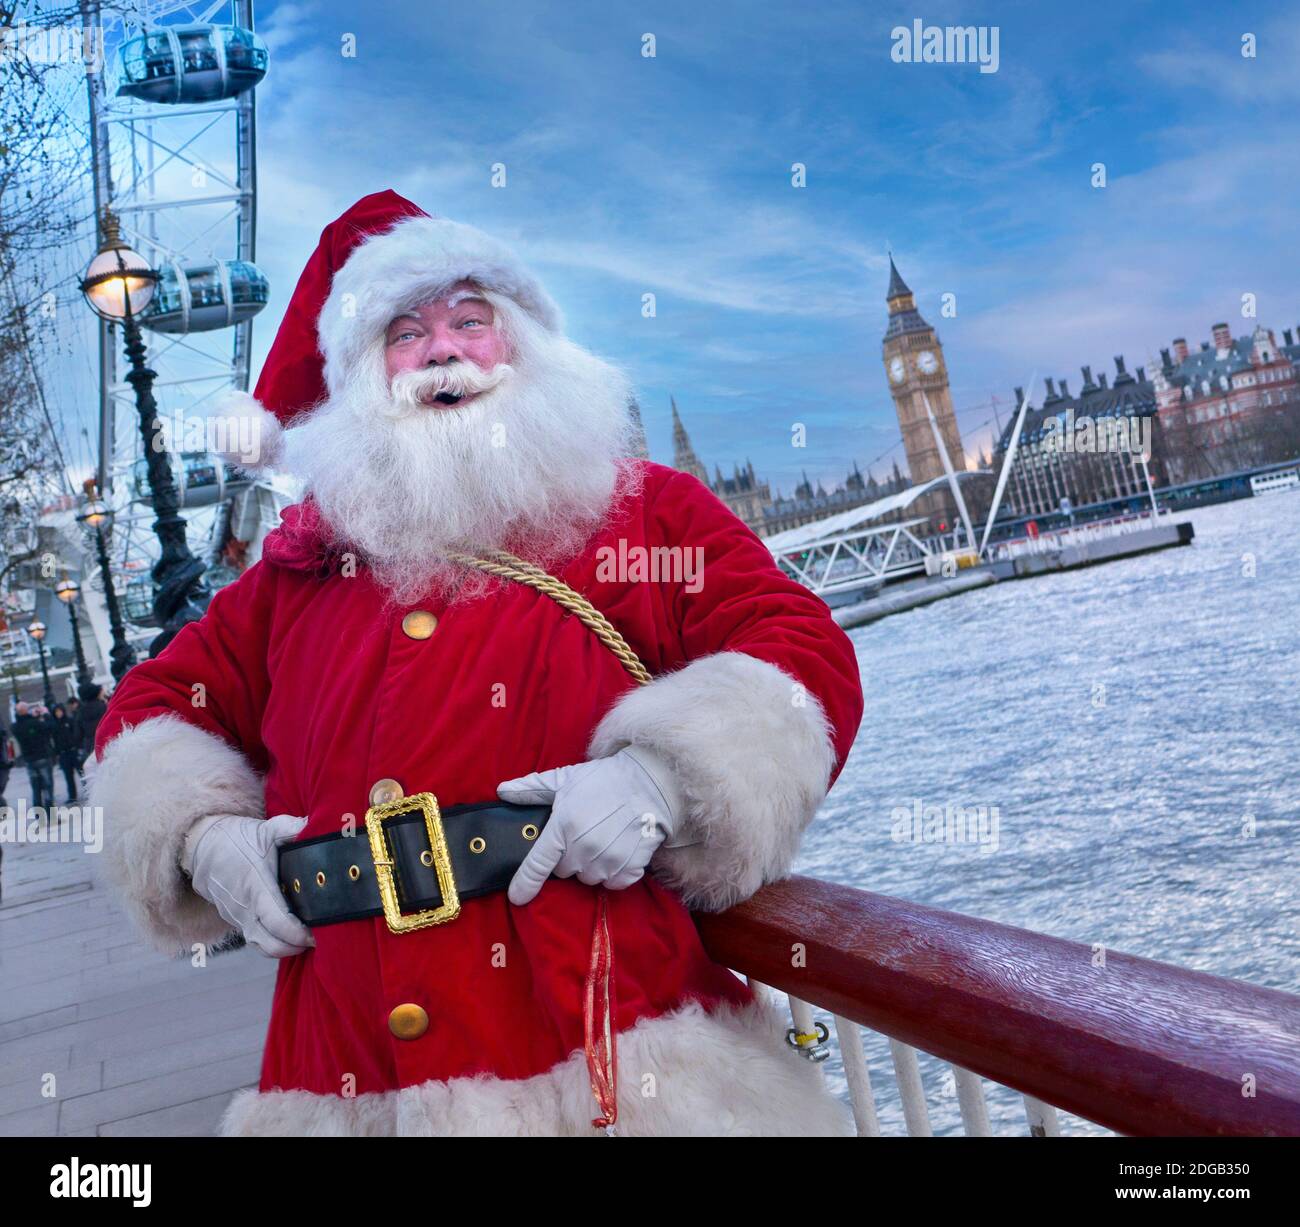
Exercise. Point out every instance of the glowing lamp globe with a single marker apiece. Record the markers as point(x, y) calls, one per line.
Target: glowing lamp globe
point(119, 282)
point(96, 513)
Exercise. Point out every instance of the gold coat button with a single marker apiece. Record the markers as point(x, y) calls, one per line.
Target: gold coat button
point(408, 1021)
point(384, 791)
point(419, 624)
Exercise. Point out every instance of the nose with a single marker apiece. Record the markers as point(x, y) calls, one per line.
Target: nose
point(443, 347)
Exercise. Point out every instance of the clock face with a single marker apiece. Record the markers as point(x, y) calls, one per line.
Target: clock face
point(928, 362)
point(897, 370)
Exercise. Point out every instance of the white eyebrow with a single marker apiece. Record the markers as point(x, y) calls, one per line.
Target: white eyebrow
point(454, 300)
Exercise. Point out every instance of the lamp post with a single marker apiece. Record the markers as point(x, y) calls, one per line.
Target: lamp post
point(96, 516)
point(118, 285)
point(11, 668)
point(68, 590)
point(37, 631)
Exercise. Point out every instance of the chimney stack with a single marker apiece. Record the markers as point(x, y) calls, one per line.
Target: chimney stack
point(1180, 349)
point(1222, 337)
point(1101, 381)
point(1166, 362)
point(1205, 347)
point(1065, 392)
point(1088, 385)
point(1142, 374)
point(1286, 334)
point(1051, 389)
point(1121, 375)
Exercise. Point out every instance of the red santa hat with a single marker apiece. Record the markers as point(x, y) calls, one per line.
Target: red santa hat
point(383, 256)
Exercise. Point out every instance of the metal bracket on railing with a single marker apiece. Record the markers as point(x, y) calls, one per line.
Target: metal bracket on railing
point(810, 1044)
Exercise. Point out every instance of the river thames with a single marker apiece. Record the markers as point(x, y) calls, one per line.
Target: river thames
point(1137, 727)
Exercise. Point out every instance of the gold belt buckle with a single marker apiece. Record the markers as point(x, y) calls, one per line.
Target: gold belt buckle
point(376, 816)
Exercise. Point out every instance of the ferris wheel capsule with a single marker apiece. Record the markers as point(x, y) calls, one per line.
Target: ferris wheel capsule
point(205, 296)
point(199, 62)
point(202, 478)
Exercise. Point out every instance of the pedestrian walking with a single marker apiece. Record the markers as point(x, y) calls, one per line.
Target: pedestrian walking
point(93, 706)
point(35, 736)
point(6, 764)
point(67, 747)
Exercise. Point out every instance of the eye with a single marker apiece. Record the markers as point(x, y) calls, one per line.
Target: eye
point(472, 320)
point(401, 336)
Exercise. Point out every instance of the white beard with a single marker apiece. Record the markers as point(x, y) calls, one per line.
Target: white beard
point(534, 461)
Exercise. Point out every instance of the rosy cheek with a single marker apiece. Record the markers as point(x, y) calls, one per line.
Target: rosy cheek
point(484, 350)
point(398, 359)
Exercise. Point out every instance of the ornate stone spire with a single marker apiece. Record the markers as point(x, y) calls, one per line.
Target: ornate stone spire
point(684, 457)
point(897, 286)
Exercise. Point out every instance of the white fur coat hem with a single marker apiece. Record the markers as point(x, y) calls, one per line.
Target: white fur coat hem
point(686, 1074)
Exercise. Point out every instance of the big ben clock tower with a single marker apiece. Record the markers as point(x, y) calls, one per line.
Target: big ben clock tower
point(914, 364)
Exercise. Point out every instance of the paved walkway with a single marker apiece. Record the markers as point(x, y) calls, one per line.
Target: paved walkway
point(99, 1034)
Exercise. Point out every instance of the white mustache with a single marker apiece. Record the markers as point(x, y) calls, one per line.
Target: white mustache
point(456, 378)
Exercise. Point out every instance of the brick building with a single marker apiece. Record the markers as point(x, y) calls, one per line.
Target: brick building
point(1231, 405)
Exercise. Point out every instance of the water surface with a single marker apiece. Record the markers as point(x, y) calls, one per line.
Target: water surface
point(1132, 723)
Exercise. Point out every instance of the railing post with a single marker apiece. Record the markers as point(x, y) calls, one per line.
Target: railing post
point(858, 1077)
point(970, 1099)
point(1042, 1118)
point(911, 1091)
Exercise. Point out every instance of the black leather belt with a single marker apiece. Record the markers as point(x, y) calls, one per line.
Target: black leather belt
point(414, 864)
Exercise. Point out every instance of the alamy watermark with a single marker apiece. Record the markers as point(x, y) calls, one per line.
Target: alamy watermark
point(55, 824)
point(919, 823)
point(53, 45)
point(1085, 434)
point(657, 564)
point(131, 1182)
point(238, 436)
point(922, 44)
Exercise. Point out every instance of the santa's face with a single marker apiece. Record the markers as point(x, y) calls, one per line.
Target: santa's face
point(456, 328)
point(528, 456)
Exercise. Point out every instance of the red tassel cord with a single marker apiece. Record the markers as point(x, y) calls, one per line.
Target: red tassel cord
point(598, 1020)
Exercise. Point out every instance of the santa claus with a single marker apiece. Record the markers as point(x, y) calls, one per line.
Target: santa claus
point(475, 725)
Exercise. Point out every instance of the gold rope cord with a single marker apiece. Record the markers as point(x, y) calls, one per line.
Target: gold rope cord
point(505, 565)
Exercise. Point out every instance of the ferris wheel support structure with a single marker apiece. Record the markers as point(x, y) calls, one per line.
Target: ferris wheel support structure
point(173, 159)
point(134, 196)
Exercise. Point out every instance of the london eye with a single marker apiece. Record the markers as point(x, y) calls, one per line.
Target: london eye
point(172, 116)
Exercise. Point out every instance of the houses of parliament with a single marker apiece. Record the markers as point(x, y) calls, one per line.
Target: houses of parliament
point(917, 375)
point(753, 502)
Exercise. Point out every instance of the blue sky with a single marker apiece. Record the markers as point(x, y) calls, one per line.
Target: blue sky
point(672, 176)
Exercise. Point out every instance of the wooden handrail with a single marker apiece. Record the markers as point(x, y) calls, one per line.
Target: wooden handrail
point(1141, 1047)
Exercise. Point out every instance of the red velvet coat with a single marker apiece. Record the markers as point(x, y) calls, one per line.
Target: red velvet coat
point(308, 673)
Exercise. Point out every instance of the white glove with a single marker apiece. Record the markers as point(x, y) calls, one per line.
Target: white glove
point(608, 818)
point(232, 862)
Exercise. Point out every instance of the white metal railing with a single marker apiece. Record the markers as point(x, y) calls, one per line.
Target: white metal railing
point(866, 554)
point(814, 1042)
point(1075, 535)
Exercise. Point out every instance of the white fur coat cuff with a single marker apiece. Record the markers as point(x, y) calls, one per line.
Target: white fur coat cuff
point(155, 782)
point(753, 753)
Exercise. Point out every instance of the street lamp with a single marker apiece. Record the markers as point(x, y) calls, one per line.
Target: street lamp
point(118, 285)
point(68, 590)
point(96, 516)
point(37, 631)
point(11, 668)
